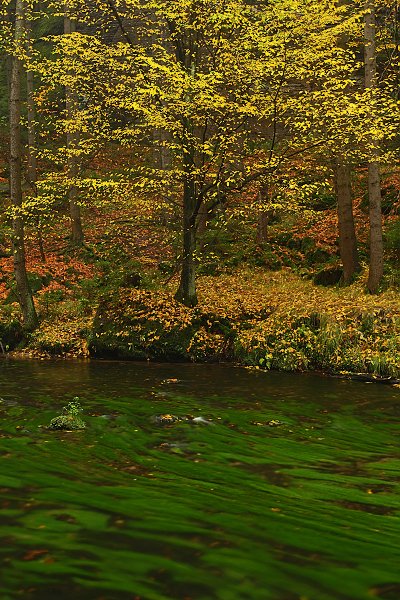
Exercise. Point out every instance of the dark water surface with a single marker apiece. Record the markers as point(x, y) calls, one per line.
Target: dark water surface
point(127, 509)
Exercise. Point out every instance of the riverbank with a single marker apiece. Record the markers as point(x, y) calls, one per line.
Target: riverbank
point(252, 317)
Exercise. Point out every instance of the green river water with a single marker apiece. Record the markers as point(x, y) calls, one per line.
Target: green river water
point(130, 510)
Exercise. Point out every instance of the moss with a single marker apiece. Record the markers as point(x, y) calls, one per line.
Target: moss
point(142, 325)
point(66, 423)
point(328, 276)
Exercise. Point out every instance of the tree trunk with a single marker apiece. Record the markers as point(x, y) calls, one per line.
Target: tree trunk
point(263, 215)
point(71, 103)
point(347, 233)
point(32, 162)
point(163, 161)
point(186, 293)
point(32, 137)
point(23, 289)
point(376, 238)
point(262, 227)
point(203, 218)
point(162, 153)
point(374, 185)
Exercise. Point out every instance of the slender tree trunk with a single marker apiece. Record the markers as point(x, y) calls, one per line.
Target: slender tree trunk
point(162, 154)
point(342, 175)
point(203, 218)
point(32, 137)
point(71, 103)
point(263, 215)
point(262, 227)
point(374, 184)
point(163, 161)
point(23, 289)
point(32, 162)
point(186, 293)
point(347, 232)
point(161, 137)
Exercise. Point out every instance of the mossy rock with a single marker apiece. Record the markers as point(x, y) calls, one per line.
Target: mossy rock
point(66, 423)
point(11, 334)
point(294, 243)
point(140, 325)
point(69, 419)
point(145, 325)
point(328, 276)
point(165, 267)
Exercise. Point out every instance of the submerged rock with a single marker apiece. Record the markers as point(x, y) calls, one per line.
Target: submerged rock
point(165, 419)
point(271, 423)
point(170, 419)
point(366, 378)
point(200, 421)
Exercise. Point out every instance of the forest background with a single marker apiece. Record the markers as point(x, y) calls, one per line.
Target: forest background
point(202, 180)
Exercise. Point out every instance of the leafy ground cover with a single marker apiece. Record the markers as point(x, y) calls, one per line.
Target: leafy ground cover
point(256, 317)
point(258, 304)
point(271, 320)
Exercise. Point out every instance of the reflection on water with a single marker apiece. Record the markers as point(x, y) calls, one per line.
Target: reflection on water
point(306, 509)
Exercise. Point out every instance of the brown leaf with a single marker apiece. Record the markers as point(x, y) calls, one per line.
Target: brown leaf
point(33, 554)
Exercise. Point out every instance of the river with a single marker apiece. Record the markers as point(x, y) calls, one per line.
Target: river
point(291, 493)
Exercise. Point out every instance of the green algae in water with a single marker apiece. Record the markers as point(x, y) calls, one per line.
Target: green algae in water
point(307, 509)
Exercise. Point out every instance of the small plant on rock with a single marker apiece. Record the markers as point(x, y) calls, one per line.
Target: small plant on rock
point(70, 418)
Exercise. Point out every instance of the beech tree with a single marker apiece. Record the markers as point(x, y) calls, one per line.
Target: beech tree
point(18, 241)
point(32, 138)
point(374, 184)
point(234, 90)
point(347, 234)
point(224, 94)
point(71, 105)
point(342, 176)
